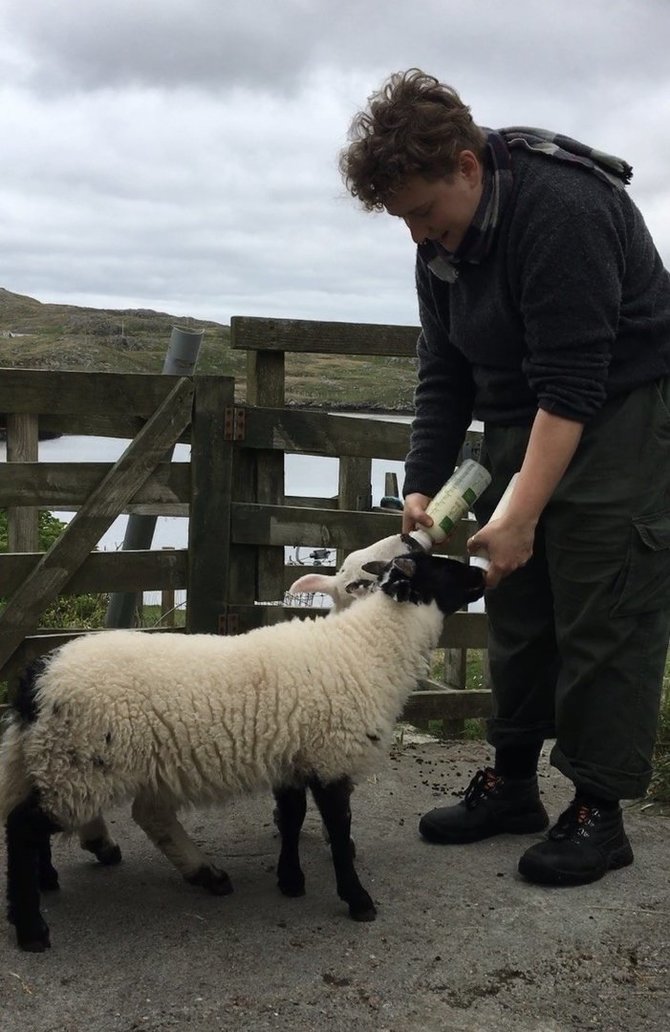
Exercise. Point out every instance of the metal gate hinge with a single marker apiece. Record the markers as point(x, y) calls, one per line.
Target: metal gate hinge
point(229, 623)
point(234, 424)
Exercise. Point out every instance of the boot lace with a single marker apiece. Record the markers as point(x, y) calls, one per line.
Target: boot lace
point(575, 822)
point(482, 785)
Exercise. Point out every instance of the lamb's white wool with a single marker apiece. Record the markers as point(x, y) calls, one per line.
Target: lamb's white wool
point(351, 580)
point(167, 720)
point(196, 718)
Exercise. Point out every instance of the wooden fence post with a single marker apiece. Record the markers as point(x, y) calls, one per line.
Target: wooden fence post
point(167, 617)
point(266, 388)
point(22, 446)
point(209, 523)
point(354, 490)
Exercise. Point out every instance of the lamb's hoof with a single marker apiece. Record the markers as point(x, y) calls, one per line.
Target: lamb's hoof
point(49, 880)
point(106, 853)
point(293, 886)
point(363, 909)
point(34, 938)
point(109, 856)
point(211, 878)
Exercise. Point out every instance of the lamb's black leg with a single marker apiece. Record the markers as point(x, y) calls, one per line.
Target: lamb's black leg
point(28, 830)
point(290, 814)
point(48, 874)
point(333, 802)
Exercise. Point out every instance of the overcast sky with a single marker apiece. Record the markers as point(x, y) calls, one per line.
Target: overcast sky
point(182, 154)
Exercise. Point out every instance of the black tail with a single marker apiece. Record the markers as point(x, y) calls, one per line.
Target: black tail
point(24, 698)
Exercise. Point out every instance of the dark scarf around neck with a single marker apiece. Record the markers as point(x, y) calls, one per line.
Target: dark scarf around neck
point(497, 187)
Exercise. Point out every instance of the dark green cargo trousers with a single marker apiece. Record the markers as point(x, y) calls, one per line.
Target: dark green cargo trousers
point(578, 637)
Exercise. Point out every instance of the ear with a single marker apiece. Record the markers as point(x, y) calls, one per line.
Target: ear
point(477, 583)
point(312, 582)
point(469, 166)
point(375, 566)
point(405, 565)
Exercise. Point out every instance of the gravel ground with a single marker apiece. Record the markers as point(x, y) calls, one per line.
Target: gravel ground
point(460, 944)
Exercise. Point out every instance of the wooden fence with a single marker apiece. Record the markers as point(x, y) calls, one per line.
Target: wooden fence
point(268, 520)
point(240, 519)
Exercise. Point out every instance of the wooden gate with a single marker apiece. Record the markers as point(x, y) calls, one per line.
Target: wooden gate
point(156, 412)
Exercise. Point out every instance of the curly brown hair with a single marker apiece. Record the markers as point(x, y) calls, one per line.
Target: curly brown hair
point(413, 125)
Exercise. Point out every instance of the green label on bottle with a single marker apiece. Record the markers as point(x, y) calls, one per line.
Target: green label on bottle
point(447, 524)
point(470, 495)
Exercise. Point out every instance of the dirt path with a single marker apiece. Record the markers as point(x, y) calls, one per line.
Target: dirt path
point(461, 944)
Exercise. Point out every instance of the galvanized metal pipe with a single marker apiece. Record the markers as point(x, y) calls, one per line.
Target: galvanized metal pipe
point(180, 360)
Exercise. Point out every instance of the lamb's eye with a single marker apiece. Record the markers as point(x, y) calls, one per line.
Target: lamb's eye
point(353, 586)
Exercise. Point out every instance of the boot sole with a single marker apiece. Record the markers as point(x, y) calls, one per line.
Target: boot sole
point(538, 873)
point(521, 826)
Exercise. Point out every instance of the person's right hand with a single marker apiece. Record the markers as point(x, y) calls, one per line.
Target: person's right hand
point(414, 512)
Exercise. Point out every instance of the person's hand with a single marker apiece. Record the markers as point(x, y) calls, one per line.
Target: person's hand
point(507, 543)
point(414, 513)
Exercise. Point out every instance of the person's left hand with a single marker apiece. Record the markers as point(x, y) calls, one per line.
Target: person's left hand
point(507, 543)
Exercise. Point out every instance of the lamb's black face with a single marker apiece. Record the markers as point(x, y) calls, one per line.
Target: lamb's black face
point(422, 578)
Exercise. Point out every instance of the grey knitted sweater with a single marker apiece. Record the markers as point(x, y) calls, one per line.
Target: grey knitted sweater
point(570, 307)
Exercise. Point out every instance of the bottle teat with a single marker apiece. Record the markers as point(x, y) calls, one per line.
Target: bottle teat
point(423, 538)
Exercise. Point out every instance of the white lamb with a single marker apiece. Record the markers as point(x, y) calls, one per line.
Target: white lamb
point(350, 582)
point(178, 719)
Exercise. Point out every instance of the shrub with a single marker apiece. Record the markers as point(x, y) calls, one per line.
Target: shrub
point(74, 611)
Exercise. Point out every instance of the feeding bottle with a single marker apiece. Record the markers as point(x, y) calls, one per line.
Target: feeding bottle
point(452, 502)
point(481, 558)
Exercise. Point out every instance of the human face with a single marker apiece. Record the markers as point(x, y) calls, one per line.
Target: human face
point(440, 209)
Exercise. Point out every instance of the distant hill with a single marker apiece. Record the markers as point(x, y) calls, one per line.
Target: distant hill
point(49, 336)
point(35, 335)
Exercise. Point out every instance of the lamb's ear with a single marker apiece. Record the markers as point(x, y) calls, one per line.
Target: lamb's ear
point(476, 583)
point(412, 544)
point(375, 566)
point(312, 582)
point(405, 565)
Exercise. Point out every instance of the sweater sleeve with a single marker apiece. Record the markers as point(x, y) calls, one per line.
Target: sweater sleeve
point(571, 286)
point(444, 395)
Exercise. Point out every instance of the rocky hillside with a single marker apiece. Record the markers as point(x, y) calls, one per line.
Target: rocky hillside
point(50, 336)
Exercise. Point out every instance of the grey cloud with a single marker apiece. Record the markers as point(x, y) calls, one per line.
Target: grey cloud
point(166, 44)
point(181, 155)
point(272, 45)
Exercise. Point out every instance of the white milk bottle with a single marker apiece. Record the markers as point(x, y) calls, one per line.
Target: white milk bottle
point(452, 502)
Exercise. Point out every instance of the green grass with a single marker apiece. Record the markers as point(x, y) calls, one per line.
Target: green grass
point(659, 790)
point(151, 617)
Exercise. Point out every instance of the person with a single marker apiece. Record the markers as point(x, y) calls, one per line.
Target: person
point(545, 313)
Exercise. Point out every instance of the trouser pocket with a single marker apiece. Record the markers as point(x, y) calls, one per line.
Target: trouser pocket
point(644, 582)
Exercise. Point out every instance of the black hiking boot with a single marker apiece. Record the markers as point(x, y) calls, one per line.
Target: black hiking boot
point(583, 845)
point(492, 805)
